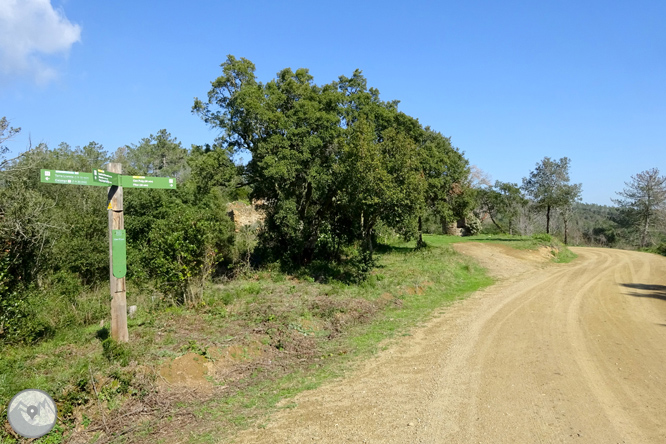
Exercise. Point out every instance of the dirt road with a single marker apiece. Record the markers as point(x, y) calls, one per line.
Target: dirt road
point(551, 353)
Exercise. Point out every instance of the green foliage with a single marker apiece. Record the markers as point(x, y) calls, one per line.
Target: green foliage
point(331, 162)
point(181, 241)
point(54, 240)
point(543, 237)
point(661, 249)
point(380, 181)
point(502, 203)
point(642, 205)
point(548, 185)
point(211, 168)
point(48, 227)
point(176, 239)
point(14, 309)
point(157, 155)
point(45, 230)
point(448, 194)
point(597, 225)
point(473, 224)
point(561, 254)
point(194, 347)
point(6, 133)
point(564, 255)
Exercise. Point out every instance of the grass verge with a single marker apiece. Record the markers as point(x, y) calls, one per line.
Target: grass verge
point(561, 254)
point(263, 338)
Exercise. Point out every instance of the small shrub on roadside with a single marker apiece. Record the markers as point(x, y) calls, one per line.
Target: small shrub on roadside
point(543, 237)
point(474, 225)
point(661, 249)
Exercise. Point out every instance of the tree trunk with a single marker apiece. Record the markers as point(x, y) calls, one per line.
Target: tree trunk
point(496, 224)
point(362, 227)
point(566, 226)
point(645, 232)
point(548, 219)
point(420, 242)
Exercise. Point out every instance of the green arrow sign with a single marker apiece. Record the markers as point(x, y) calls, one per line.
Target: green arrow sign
point(118, 253)
point(148, 182)
point(102, 178)
point(106, 177)
point(68, 178)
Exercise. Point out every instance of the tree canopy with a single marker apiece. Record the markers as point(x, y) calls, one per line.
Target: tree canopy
point(548, 185)
point(331, 161)
point(54, 237)
point(642, 201)
point(502, 202)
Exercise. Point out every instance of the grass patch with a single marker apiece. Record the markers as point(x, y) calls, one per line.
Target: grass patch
point(564, 256)
point(287, 333)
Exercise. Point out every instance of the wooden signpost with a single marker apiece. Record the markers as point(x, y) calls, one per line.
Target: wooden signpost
point(113, 179)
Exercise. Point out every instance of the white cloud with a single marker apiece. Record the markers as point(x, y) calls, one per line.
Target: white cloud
point(29, 31)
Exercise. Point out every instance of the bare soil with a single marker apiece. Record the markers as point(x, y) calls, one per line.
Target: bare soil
point(552, 353)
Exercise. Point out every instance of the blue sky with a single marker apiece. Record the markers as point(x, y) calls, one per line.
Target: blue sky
point(510, 82)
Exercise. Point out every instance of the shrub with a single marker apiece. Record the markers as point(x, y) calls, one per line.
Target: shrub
point(474, 224)
point(180, 242)
point(543, 237)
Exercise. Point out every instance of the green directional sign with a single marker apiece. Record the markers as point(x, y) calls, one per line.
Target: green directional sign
point(148, 182)
point(106, 177)
point(118, 253)
point(68, 178)
point(103, 178)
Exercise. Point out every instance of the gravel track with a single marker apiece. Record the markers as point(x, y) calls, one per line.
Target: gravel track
point(552, 353)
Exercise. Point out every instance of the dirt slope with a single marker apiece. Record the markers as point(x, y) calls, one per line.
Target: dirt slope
point(550, 354)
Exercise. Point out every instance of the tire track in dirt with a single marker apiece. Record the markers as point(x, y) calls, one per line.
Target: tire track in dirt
point(552, 353)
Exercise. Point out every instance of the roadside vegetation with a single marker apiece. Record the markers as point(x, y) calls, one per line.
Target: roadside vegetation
point(354, 196)
point(267, 334)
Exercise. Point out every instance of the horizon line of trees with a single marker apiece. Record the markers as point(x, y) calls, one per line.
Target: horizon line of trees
point(637, 221)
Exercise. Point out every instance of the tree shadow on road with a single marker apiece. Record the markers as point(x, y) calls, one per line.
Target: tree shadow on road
point(652, 291)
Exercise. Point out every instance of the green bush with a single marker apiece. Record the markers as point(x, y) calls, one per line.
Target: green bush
point(474, 225)
point(178, 242)
point(14, 313)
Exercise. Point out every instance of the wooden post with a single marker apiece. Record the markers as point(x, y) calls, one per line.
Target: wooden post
point(119, 330)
